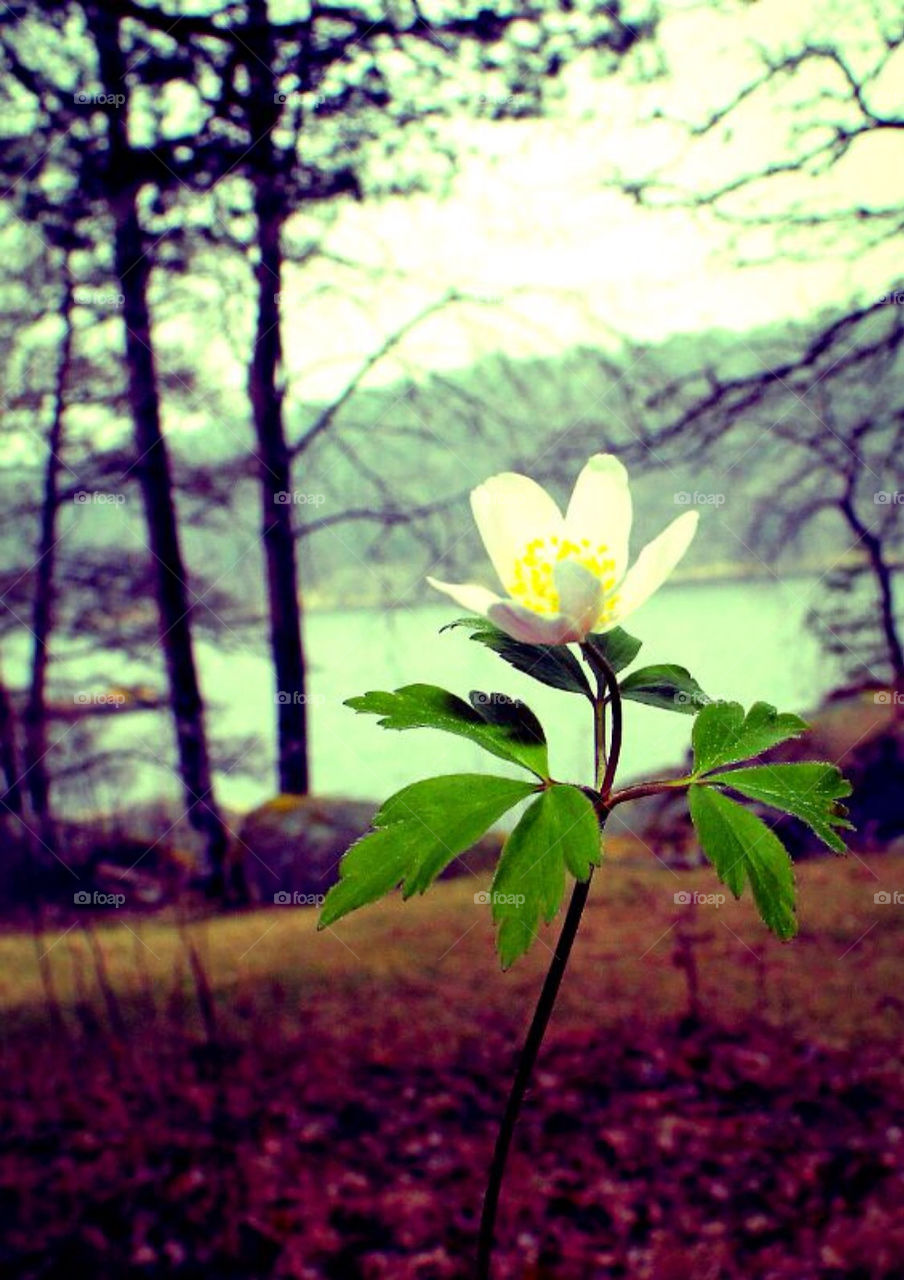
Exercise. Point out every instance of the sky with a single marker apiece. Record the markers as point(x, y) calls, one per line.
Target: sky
point(533, 229)
point(534, 232)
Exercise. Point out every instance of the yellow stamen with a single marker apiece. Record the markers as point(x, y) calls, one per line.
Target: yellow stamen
point(532, 582)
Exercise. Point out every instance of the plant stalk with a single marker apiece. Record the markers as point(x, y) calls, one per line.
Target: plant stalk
point(604, 772)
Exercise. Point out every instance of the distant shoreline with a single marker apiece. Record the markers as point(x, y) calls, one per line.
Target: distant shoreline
point(727, 571)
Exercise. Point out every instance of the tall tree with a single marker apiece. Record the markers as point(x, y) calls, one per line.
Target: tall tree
point(310, 108)
point(37, 775)
point(299, 110)
point(121, 181)
point(266, 166)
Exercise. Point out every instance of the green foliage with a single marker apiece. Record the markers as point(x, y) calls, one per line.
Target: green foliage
point(617, 648)
point(664, 685)
point(811, 791)
point(558, 832)
point(553, 665)
point(500, 725)
point(723, 734)
point(509, 714)
point(739, 844)
point(417, 832)
point(742, 848)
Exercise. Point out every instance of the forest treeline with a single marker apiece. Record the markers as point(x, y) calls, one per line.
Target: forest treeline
point(170, 171)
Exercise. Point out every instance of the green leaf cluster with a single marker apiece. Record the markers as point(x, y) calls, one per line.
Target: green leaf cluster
point(740, 845)
point(417, 833)
point(501, 725)
point(423, 827)
point(557, 832)
point(664, 685)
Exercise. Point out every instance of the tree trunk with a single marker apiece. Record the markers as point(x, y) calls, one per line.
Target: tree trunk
point(265, 395)
point(37, 778)
point(11, 796)
point(882, 572)
point(133, 271)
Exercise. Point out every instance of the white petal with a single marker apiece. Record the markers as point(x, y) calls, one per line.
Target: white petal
point(600, 508)
point(580, 596)
point(509, 511)
point(471, 597)
point(529, 627)
point(654, 564)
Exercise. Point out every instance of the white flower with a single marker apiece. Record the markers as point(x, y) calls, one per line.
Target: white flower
point(565, 576)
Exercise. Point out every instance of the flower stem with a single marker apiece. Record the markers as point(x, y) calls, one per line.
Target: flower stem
point(526, 1062)
point(604, 770)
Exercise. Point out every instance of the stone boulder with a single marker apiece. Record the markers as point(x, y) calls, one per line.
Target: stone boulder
point(291, 845)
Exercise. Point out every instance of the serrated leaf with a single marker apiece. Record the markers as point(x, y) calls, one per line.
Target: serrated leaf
point(553, 665)
point(741, 847)
point(558, 831)
point(810, 791)
point(426, 706)
point(372, 867)
point(665, 685)
point(418, 832)
point(722, 733)
point(617, 648)
point(508, 713)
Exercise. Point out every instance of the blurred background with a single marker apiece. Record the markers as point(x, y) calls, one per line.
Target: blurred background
point(280, 284)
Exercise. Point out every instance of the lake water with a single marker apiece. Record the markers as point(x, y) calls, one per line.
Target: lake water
point(744, 640)
point(740, 640)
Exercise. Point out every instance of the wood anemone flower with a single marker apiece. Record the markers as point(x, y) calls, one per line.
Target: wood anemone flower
point(565, 576)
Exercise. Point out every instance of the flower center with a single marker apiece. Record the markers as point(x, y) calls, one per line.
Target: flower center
point(533, 585)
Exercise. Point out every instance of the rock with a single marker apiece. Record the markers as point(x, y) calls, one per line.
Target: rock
point(292, 844)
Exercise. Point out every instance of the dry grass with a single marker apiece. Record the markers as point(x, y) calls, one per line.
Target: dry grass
point(838, 981)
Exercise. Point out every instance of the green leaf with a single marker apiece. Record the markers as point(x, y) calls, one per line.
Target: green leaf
point(810, 791)
point(418, 832)
point(371, 868)
point(508, 713)
point(723, 734)
point(615, 647)
point(741, 847)
point(558, 831)
point(426, 706)
point(665, 685)
point(553, 665)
